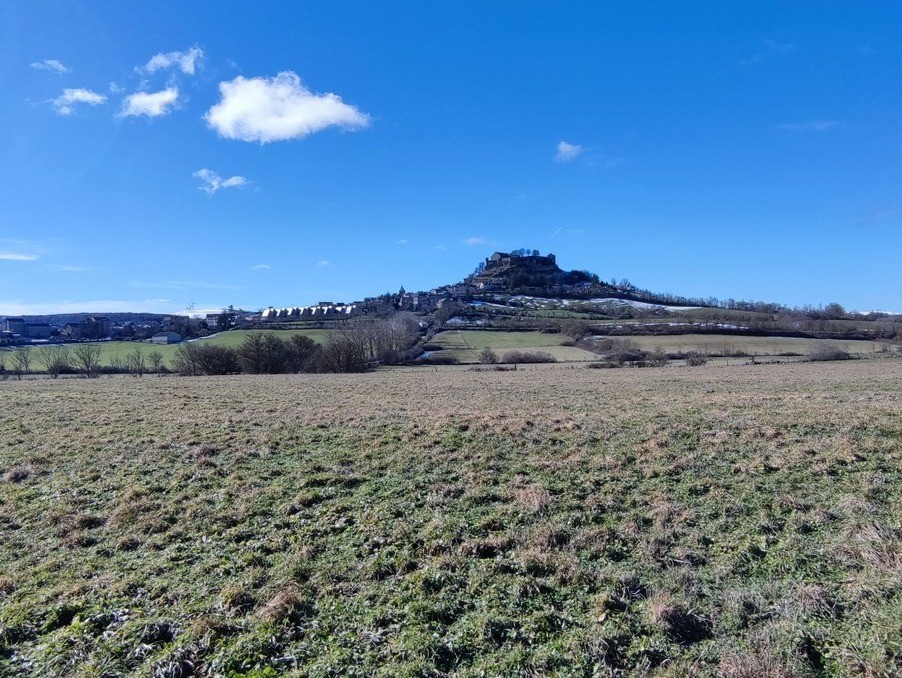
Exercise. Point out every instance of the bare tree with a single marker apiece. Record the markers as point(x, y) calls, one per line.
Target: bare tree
point(21, 360)
point(252, 353)
point(87, 358)
point(156, 361)
point(135, 361)
point(55, 359)
point(186, 359)
point(301, 351)
point(215, 359)
point(346, 351)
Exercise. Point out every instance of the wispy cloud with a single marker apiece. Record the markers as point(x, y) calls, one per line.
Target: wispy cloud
point(811, 126)
point(186, 61)
point(151, 104)
point(567, 152)
point(770, 49)
point(402, 241)
point(473, 241)
point(51, 65)
point(65, 102)
point(323, 263)
point(17, 256)
point(261, 267)
point(72, 268)
point(212, 182)
point(278, 109)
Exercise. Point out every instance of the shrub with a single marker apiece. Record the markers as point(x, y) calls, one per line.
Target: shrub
point(658, 358)
point(215, 359)
point(696, 359)
point(488, 357)
point(529, 357)
point(575, 329)
point(827, 351)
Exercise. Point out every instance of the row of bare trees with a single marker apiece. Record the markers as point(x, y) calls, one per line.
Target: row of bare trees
point(84, 359)
point(258, 354)
point(353, 348)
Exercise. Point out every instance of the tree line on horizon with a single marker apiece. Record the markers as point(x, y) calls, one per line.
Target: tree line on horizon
point(361, 345)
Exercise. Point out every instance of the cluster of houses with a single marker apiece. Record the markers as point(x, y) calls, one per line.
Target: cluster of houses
point(18, 327)
point(502, 272)
point(324, 309)
point(490, 277)
point(158, 329)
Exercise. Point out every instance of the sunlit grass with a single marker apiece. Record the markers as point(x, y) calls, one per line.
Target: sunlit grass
point(546, 521)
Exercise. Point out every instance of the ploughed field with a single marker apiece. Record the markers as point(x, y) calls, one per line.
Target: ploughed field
point(727, 520)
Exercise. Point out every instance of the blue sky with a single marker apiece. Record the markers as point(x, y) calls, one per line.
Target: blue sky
point(168, 154)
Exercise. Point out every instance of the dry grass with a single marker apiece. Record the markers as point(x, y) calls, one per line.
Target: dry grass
point(738, 520)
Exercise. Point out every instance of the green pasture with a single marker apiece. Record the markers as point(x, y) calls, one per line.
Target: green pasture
point(726, 344)
point(113, 351)
point(466, 345)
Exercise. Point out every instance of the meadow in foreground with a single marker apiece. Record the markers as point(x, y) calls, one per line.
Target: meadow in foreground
point(741, 521)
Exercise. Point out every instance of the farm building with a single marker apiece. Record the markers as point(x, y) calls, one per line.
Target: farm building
point(166, 338)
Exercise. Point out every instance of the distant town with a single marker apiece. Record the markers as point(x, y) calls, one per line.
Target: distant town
point(505, 282)
point(520, 271)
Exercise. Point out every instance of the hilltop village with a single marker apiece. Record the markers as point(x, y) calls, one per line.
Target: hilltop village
point(504, 283)
point(521, 271)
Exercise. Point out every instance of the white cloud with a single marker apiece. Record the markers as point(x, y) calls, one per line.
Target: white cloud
point(812, 126)
point(278, 109)
point(51, 65)
point(261, 267)
point(402, 241)
point(323, 263)
point(151, 104)
point(64, 102)
point(212, 182)
point(567, 152)
point(17, 256)
point(185, 61)
point(474, 241)
point(70, 268)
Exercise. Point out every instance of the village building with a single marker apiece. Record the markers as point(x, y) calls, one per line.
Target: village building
point(15, 325)
point(166, 338)
point(37, 330)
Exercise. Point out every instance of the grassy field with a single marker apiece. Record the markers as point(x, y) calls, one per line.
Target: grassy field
point(739, 521)
point(718, 344)
point(118, 350)
point(466, 345)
